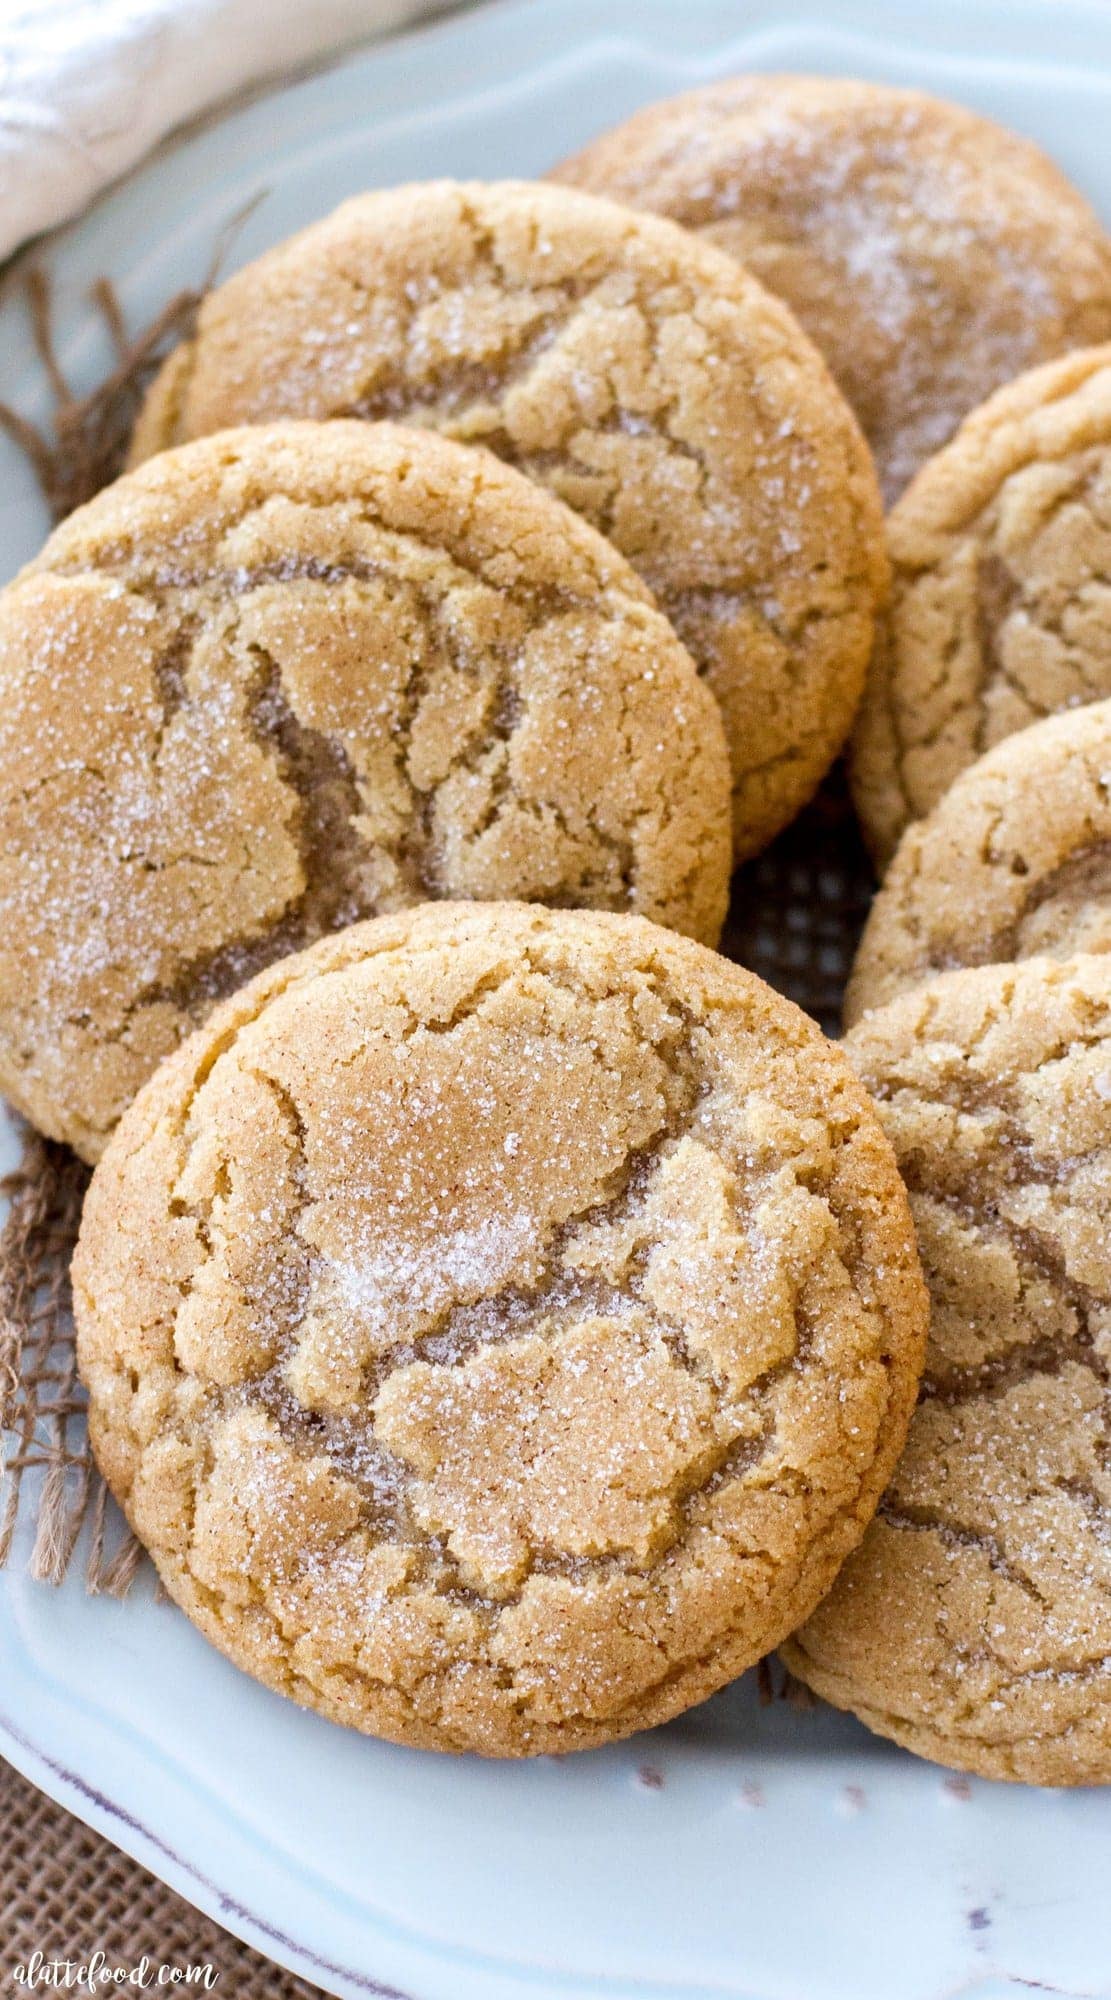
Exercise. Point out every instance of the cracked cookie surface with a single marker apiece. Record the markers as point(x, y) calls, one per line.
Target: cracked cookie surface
point(499, 1324)
point(973, 1624)
point(635, 371)
point(289, 677)
point(1013, 863)
point(930, 254)
point(1000, 609)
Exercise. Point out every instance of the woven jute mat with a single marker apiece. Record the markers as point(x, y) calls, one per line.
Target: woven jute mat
point(66, 1893)
point(795, 917)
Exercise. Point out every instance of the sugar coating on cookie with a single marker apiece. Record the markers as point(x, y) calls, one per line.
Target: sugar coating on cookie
point(999, 611)
point(973, 1625)
point(1014, 862)
point(499, 1324)
point(633, 370)
point(929, 253)
point(289, 677)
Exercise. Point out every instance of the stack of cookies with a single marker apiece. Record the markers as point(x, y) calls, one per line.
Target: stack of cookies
point(501, 1315)
point(974, 1624)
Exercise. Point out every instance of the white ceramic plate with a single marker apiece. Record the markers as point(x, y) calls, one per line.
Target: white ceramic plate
point(743, 1853)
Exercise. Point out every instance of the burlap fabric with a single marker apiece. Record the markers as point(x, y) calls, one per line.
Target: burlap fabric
point(67, 1893)
point(795, 917)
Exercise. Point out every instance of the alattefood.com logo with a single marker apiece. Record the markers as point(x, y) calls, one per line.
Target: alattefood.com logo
point(99, 1975)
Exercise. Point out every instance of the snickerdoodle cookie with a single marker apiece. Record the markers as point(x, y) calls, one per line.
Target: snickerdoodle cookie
point(499, 1324)
point(289, 677)
point(632, 369)
point(1016, 860)
point(1000, 610)
point(974, 1623)
point(930, 254)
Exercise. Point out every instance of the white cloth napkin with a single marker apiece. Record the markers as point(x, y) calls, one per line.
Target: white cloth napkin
point(87, 87)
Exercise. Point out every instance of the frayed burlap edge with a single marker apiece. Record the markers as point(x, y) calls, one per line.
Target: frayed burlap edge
point(91, 433)
point(42, 1405)
point(89, 437)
